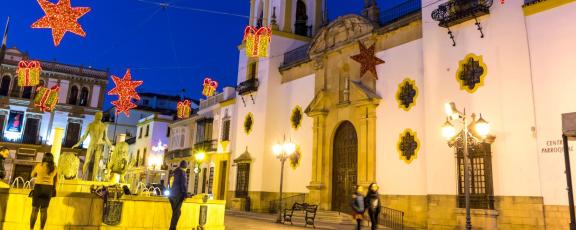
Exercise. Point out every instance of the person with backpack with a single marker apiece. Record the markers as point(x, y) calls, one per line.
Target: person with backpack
point(45, 175)
point(358, 206)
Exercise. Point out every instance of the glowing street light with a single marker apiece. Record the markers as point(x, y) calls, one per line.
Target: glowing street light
point(282, 152)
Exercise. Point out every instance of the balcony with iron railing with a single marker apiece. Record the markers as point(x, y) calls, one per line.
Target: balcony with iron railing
point(206, 146)
point(455, 12)
point(248, 86)
point(29, 140)
point(400, 11)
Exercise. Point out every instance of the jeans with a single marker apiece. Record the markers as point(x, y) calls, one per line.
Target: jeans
point(176, 204)
point(374, 218)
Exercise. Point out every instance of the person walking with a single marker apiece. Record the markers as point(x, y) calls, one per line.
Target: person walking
point(178, 192)
point(45, 176)
point(372, 203)
point(358, 206)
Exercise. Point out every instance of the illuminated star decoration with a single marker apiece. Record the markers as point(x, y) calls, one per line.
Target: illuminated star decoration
point(368, 60)
point(61, 18)
point(126, 90)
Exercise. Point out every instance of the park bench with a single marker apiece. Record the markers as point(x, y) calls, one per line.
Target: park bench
point(308, 210)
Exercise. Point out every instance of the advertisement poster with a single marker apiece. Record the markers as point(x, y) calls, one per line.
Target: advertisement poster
point(15, 121)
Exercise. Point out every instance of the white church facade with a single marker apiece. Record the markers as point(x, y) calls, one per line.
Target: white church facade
point(509, 61)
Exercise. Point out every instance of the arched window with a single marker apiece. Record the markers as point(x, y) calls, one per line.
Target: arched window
point(84, 96)
point(301, 27)
point(15, 88)
point(27, 92)
point(5, 85)
point(259, 13)
point(73, 96)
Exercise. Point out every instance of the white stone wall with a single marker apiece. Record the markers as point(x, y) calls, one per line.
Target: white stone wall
point(551, 36)
point(392, 172)
point(505, 100)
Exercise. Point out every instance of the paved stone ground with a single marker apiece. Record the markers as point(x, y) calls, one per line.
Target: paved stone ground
point(267, 223)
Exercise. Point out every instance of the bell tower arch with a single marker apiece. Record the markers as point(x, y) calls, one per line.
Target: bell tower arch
point(299, 17)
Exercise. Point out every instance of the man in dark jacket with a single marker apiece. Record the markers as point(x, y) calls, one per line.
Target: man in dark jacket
point(4, 152)
point(178, 192)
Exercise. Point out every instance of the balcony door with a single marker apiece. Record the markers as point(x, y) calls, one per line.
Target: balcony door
point(31, 131)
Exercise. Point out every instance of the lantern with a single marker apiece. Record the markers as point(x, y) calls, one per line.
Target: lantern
point(28, 73)
point(46, 98)
point(210, 87)
point(183, 109)
point(257, 41)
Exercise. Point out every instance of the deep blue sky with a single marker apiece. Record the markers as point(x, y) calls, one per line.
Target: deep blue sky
point(169, 49)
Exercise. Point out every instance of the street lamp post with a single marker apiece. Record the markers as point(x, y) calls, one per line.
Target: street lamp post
point(282, 152)
point(481, 127)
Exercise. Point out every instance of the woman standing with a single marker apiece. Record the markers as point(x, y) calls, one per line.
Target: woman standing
point(358, 207)
point(44, 189)
point(372, 203)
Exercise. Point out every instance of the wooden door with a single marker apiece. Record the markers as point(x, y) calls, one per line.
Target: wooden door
point(344, 167)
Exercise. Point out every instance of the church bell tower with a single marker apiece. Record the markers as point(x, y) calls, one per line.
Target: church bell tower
point(299, 17)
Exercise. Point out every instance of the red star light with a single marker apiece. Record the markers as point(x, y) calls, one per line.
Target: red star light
point(61, 18)
point(126, 90)
point(368, 60)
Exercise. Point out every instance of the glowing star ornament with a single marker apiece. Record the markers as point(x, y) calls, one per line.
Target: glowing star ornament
point(210, 87)
point(183, 109)
point(46, 98)
point(257, 41)
point(125, 89)
point(28, 73)
point(368, 60)
point(61, 18)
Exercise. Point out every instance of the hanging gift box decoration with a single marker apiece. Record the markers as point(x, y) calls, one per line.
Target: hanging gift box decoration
point(183, 109)
point(257, 41)
point(46, 98)
point(210, 87)
point(28, 73)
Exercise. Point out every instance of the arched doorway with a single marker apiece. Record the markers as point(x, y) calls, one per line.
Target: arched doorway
point(344, 167)
point(5, 86)
point(301, 25)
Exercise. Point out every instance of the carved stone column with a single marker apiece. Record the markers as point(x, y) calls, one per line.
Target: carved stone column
point(317, 187)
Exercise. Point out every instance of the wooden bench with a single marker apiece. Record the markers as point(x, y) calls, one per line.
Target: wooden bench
point(308, 210)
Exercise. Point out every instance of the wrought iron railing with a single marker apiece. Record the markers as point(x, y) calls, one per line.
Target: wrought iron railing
point(296, 56)
point(532, 2)
point(24, 140)
point(400, 11)
point(391, 218)
point(208, 145)
point(248, 86)
point(455, 12)
point(287, 202)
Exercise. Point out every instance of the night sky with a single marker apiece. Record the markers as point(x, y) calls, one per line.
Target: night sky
point(169, 49)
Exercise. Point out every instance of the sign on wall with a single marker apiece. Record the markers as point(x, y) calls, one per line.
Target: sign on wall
point(15, 121)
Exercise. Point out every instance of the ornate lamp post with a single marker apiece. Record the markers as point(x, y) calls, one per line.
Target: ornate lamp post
point(199, 157)
point(480, 127)
point(282, 152)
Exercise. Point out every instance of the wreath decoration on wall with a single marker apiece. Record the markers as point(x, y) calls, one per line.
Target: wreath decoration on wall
point(471, 73)
point(408, 146)
point(407, 94)
point(248, 123)
point(296, 117)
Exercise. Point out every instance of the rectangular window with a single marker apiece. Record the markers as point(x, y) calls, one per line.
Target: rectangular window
point(204, 180)
point(137, 158)
point(226, 130)
point(481, 185)
point(252, 70)
point(211, 180)
point(168, 132)
point(147, 130)
point(72, 134)
point(144, 157)
point(196, 178)
point(31, 131)
point(242, 180)
point(140, 133)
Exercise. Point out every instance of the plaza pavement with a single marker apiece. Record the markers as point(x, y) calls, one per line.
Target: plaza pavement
point(256, 221)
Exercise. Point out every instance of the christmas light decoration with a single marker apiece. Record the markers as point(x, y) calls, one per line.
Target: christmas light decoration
point(210, 87)
point(125, 89)
point(28, 73)
point(257, 41)
point(368, 60)
point(46, 98)
point(183, 109)
point(61, 18)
